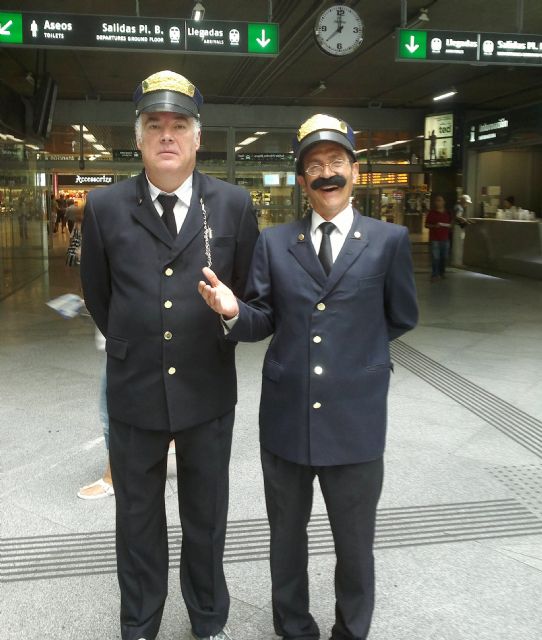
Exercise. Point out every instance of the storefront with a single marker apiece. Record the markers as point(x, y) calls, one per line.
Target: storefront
point(75, 186)
point(504, 165)
point(391, 185)
point(93, 145)
point(23, 216)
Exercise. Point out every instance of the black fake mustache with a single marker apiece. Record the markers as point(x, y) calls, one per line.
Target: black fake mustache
point(332, 181)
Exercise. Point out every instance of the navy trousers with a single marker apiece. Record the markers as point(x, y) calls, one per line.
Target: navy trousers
point(351, 493)
point(139, 466)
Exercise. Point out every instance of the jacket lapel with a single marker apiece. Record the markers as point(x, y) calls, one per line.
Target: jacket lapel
point(303, 251)
point(353, 247)
point(193, 223)
point(145, 213)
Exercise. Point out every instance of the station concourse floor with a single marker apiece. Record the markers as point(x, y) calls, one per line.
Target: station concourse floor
point(459, 538)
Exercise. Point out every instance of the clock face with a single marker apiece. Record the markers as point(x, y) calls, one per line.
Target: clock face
point(339, 30)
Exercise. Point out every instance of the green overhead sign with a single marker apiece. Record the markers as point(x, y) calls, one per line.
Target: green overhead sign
point(412, 44)
point(263, 38)
point(42, 29)
point(11, 28)
point(468, 47)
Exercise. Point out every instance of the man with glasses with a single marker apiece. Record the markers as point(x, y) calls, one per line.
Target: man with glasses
point(334, 289)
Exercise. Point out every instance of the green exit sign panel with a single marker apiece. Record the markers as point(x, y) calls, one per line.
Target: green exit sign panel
point(11, 27)
point(263, 38)
point(412, 44)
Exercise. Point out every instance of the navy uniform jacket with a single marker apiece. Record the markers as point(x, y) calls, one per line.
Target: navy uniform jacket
point(169, 366)
point(326, 371)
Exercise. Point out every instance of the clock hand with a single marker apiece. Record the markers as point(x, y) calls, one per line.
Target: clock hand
point(339, 29)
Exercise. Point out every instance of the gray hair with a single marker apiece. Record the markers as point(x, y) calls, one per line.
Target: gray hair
point(138, 126)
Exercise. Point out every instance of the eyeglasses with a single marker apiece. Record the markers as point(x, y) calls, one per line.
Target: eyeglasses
point(318, 169)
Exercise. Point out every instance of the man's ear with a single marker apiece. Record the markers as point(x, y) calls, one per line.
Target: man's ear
point(302, 182)
point(355, 170)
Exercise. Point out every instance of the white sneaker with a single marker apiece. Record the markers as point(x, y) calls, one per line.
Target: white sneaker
point(225, 634)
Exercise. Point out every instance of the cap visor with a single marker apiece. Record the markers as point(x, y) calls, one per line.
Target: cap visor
point(172, 101)
point(168, 106)
point(322, 136)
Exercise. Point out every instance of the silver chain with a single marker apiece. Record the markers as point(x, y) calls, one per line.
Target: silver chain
point(207, 234)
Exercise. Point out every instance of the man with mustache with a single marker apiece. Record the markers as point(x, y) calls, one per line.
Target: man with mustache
point(145, 241)
point(333, 289)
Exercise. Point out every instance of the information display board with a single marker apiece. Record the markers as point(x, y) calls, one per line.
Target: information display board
point(81, 31)
point(468, 47)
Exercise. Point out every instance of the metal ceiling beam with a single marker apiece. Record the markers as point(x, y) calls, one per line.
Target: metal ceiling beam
point(520, 14)
point(404, 13)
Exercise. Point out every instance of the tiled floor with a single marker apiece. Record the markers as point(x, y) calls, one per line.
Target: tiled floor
point(459, 544)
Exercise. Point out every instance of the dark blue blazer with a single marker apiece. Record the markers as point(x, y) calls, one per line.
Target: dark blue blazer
point(140, 283)
point(326, 371)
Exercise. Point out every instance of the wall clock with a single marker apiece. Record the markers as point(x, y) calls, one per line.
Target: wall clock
point(339, 30)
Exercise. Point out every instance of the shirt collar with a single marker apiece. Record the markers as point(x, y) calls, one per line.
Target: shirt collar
point(343, 220)
point(184, 192)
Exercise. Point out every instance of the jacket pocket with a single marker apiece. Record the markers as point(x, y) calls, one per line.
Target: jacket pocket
point(272, 370)
point(116, 347)
point(223, 241)
point(371, 281)
point(380, 367)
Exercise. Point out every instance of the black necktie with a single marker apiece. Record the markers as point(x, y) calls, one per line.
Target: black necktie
point(168, 217)
point(325, 255)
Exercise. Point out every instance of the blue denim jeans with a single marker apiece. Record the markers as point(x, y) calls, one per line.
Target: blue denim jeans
point(104, 416)
point(439, 257)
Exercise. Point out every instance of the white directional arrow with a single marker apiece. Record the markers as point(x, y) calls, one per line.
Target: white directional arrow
point(412, 46)
point(263, 41)
point(4, 28)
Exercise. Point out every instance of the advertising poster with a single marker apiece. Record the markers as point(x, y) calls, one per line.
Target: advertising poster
point(438, 143)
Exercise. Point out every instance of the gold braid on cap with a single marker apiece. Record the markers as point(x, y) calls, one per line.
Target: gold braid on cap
point(318, 122)
point(168, 81)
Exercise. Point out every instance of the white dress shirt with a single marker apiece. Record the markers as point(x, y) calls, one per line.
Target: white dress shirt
point(343, 223)
point(184, 195)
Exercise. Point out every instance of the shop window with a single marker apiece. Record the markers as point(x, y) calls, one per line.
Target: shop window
point(264, 165)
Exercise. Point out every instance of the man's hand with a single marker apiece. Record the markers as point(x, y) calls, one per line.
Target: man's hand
point(218, 296)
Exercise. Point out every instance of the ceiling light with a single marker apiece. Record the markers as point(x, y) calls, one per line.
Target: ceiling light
point(249, 140)
point(237, 148)
point(260, 133)
point(443, 96)
point(89, 137)
point(32, 146)
point(78, 126)
point(198, 11)
point(99, 147)
point(318, 89)
point(422, 18)
point(360, 150)
point(391, 144)
point(424, 15)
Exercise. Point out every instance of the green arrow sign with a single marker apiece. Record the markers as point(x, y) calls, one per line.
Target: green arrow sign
point(11, 27)
point(412, 44)
point(263, 38)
